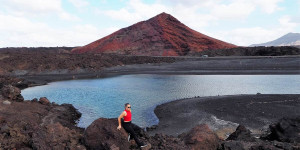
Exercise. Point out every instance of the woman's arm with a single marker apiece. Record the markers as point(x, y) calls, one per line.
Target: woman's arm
point(119, 119)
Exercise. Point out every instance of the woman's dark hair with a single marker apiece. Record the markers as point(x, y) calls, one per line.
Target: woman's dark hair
point(126, 104)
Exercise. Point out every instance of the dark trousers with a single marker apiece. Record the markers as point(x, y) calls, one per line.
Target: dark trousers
point(128, 128)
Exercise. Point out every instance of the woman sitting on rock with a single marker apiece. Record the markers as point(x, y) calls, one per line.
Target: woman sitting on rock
point(126, 114)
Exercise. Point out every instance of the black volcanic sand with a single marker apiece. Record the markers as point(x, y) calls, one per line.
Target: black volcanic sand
point(190, 66)
point(224, 113)
point(217, 65)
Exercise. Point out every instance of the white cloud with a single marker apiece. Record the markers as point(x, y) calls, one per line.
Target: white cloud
point(26, 8)
point(23, 32)
point(79, 3)
point(236, 10)
point(295, 19)
point(268, 6)
point(32, 6)
point(197, 3)
point(200, 15)
point(135, 11)
point(256, 35)
point(247, 36)
point(192, 18)
point(285, 21)
point(19, 25)
point(123, 15)
point(196, 14)
point(68, 17)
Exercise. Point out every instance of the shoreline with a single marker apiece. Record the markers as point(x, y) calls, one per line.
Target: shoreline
point(210, 118)
point(196, 67)
point(45, 79)
point(271, 65)
point(224, 113)
point(176, 68)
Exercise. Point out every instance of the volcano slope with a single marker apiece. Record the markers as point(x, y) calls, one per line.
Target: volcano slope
point(162, 35)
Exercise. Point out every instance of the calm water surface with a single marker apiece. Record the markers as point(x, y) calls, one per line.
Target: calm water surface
point(96, 98)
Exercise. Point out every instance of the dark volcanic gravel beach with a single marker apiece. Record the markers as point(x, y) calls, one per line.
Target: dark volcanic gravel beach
point(254, 111)
point(189, 66)
point(217, 65)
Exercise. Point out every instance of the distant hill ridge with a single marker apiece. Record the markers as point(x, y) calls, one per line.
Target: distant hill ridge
point(290, 39)
point(162, 35)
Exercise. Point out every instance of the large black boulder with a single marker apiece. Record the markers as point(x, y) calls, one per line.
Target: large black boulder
point(286, 130)
point(241, 134)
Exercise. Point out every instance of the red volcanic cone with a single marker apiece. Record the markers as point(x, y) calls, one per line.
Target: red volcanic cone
point(162, 35)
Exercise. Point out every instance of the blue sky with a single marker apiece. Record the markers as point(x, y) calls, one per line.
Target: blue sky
point(33, 23)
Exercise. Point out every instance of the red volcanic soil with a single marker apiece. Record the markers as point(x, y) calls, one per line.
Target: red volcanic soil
point(162, 35)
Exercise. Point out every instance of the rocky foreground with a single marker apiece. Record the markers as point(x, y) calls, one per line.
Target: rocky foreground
point(39, 124)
